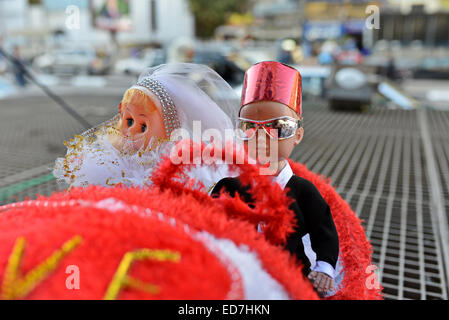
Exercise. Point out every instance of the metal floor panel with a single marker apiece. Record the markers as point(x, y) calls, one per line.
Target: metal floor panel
point(377, 162)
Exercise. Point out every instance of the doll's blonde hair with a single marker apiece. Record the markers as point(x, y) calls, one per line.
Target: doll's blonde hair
point(139, 98)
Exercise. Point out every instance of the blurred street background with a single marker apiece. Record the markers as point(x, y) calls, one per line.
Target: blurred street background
point(375, 91)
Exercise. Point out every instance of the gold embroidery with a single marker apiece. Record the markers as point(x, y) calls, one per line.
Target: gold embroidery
point(16, 286)
point(210, 189)
point(121, 278)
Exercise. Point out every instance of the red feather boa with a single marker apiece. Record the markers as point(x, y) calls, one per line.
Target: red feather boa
point(355, 249)
point(108, 235)
point(271, 206)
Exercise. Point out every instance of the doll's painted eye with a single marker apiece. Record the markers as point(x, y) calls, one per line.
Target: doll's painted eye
point(130, 122)
point(144, 127)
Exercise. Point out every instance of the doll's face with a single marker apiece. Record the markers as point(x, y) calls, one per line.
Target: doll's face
point(264, 110)
point(141, 118)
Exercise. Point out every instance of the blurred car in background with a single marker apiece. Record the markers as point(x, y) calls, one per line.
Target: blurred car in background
point(135, 65)
point(350, 57)
point(313, 80)
point(350, 88)
point(101, 65)
point(66, 61)
point(433, 68)
point(215, 59)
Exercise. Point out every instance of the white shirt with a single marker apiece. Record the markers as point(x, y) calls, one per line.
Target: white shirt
point(320, 266)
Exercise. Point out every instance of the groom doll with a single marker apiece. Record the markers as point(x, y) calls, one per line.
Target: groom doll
point(271, 113)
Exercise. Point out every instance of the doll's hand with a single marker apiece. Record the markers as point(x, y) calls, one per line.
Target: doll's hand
point(321, 281)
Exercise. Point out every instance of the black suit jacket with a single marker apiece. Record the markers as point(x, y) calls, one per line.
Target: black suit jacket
point(312, 213)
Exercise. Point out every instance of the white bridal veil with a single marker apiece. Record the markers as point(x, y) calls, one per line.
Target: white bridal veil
point(198, 93)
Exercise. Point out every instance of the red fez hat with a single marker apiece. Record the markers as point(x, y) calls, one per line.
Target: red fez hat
point(273, 81)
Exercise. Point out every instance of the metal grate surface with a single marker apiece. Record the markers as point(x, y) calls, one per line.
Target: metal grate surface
point(32, 132)
point(378, 164)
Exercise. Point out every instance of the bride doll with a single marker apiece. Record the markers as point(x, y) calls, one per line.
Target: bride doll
point(126, 149)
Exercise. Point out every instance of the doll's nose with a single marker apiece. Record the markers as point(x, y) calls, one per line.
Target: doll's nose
point(134, 133)
point(130, 131)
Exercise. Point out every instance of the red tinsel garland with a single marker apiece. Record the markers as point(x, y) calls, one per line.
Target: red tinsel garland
point(271, 206)
point(205, 215)
point(355, 249)
point(224, 217)
point(106, 238)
